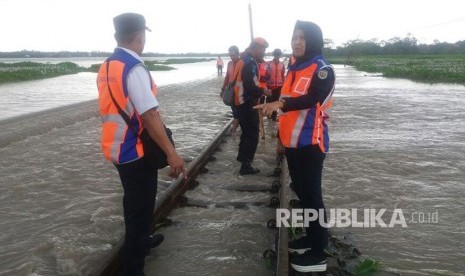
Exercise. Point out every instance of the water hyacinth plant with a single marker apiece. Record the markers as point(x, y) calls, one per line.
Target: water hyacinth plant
point(424, 68)
point(21, 71)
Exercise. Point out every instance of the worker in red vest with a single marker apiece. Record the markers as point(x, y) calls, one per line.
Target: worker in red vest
point(275, 73)
point(219, 66)
point(247, 93)
point(235, 57)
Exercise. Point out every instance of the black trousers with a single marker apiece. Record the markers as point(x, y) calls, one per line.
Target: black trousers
point(305, 168)
point(140, 189)
point(248, 120)
point(275, 94)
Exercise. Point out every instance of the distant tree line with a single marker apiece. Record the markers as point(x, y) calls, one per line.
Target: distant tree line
point(394, 46)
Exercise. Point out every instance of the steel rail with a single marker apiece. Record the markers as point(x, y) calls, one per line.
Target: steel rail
point(285, 193)
point(112, 264)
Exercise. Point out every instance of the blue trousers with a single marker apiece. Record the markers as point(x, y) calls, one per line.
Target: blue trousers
point(139, 182)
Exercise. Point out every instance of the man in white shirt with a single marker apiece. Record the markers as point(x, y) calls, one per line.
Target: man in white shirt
point(124, 81)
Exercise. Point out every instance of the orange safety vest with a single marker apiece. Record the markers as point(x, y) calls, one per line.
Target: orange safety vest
point(263, 67)
point(239, 93)
point(119, 143)
point(305, 127)
point(238, 86)
point(230, 70)
point(276, 74)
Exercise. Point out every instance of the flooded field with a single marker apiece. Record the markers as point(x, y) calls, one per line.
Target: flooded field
point(395, 144)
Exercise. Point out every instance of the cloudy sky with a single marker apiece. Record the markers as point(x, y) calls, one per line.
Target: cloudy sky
point(181, 26)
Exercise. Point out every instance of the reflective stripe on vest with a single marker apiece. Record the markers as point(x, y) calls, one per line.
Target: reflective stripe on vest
point(304, 127)
point(119, 143)
point(238, 87)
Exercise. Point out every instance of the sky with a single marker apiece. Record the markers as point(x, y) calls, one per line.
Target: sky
point(201, 26)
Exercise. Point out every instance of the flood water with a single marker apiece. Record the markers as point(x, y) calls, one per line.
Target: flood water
point(37, 95)
point(395, 144)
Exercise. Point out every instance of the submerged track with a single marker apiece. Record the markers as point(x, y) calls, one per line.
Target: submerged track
point(236, 221)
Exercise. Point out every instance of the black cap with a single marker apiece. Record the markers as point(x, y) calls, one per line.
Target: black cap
point(129, 23)
point(277, 53)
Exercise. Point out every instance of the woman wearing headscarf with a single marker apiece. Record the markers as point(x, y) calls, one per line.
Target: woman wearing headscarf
point(305, 100)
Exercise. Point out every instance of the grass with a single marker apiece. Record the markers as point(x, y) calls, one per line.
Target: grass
point(185, 60)
point(367, 268)
point(292, 232)
point(21, 71)
point(151, 66)
point(27, 70)
point(423, 68)
point(155, 66)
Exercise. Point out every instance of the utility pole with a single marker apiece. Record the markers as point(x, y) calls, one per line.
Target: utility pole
point(250, 22)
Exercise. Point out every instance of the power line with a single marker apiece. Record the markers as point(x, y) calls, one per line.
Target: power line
point(440, 24)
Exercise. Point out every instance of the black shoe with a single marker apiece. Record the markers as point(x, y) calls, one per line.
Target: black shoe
point(155, 240)
point(309, 262)
point(299, 246)
point(246, 168)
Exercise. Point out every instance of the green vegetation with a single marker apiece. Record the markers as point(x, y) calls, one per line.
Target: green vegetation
point(439, 62)
point(424, 68)
point(22, 71)
point(151, 66)
point(156, 66)
point(185, 60)
point(367, 268)
point(292, 233)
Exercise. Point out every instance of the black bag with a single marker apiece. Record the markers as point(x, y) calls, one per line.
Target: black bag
point(153, 153)
point(228, 94)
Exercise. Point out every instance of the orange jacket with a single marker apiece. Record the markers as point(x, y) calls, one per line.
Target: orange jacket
point(219, 62)
point(119, 143)
point(263, 68)
point(238, 87)
point(276, 74)
point(229, 73)
point(304, 127)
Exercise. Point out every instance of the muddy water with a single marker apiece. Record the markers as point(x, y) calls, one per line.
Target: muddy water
point(60, 201)
point(395, 144)
point(222, 230)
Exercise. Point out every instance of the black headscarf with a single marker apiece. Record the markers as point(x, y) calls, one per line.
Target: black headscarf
point(313, 40)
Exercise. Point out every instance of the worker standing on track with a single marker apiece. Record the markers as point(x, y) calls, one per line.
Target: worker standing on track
point(306, 98)
point(126, 88)
point(247, 92)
